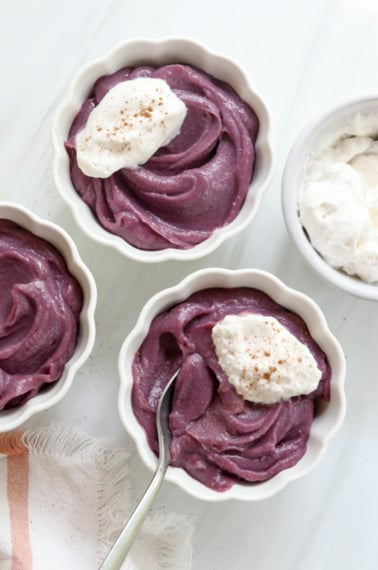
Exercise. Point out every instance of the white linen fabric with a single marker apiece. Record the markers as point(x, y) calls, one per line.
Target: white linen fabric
point(64, 498)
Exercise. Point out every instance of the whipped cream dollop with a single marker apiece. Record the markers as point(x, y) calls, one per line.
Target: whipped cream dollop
point(262, 359)
point(339, 199)
point(131, 122)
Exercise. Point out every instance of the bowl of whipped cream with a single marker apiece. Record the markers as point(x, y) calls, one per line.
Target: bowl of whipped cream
point(330, 196)
point(260, 389)
point(163, 149)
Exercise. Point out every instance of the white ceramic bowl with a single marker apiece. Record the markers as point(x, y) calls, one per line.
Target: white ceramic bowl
point(326, 422)
point(51, 394)
point(320, 130)
point(157, 52)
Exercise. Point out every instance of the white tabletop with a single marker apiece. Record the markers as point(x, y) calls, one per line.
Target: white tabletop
point(304, 57)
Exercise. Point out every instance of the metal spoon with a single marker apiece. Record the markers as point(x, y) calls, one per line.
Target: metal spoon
point(121, 547)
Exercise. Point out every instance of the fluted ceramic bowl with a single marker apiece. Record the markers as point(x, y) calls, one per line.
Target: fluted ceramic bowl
point(155, 53)
point(326, 129)
point(51, 394)
point(328, 417)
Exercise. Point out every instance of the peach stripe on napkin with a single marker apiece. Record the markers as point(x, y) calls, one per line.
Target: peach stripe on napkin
point(12, 446)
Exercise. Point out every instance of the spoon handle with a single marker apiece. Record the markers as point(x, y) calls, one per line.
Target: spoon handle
point(121, 547)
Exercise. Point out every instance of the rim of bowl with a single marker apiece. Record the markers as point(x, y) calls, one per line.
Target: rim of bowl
point(13, 417)
point(324, 425)
point(164, 50)
point(290, 188)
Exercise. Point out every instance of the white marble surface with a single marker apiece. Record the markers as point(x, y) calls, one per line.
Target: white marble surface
point(304, 57)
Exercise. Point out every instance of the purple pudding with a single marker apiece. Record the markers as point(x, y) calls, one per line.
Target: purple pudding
point(40, 306)
point(220, 438)
point(191, 186)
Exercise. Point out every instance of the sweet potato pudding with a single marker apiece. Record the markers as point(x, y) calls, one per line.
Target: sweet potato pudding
point(163, 156)
point(245, 398)
point(40, 306)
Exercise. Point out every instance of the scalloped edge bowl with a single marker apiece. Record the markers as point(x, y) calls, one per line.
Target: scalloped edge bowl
point(325, 424)
point(54, 234)
point(156, 52)
point(307, 141)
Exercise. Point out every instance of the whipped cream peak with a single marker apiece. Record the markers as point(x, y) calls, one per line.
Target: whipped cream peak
point(262, 359)
point(131, 122)
point(339, 198)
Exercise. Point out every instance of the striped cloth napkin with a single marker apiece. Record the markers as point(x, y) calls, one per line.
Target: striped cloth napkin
point(64, 498)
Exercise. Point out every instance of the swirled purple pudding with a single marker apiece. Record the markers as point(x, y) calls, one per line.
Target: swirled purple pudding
point(245, 422)
point(40, 306)
point(194, 182)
